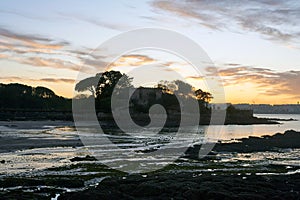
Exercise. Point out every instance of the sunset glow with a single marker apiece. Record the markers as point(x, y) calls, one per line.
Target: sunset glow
point(257, 53)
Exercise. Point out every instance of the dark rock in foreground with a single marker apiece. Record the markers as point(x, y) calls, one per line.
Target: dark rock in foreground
point(86, 158)
point(199, 185)
point(193, 186)
point(288, 140)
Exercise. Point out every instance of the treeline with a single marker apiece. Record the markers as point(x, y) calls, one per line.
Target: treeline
point(22, 97)
point(18, 101)
point(17, 96)
point(102, 85)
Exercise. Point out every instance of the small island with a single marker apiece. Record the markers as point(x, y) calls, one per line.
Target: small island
point(20, 102)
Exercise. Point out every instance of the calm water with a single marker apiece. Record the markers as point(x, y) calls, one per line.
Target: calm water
point(242, 131)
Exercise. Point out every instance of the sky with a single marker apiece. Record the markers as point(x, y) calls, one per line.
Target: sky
point(255, 45)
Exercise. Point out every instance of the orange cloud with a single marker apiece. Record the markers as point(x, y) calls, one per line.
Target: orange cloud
point(59, 80)
point(50, 62)
point(260, 81)
point(50, 80)
point(3, 56)
point(31, 40)
point(38, 51)
point(198, 78)
point(132, 60)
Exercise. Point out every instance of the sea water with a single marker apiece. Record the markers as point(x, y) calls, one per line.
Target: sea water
point(26, 161)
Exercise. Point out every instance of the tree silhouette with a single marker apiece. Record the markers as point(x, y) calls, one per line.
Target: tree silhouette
point(43, 92)
point(108, 82)
point(18, 96)
point(88, 84)
point(111, 80)
point(183, 89)
point(203, 96)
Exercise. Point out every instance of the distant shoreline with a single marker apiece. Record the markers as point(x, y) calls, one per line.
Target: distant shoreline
point(270, 109)
point(67, 115)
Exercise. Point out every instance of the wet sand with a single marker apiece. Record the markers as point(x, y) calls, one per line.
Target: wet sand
point(41, 124)
point(10, 144)
point(269, 181)
point(14, 142)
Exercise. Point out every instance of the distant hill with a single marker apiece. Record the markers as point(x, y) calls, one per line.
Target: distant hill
point(17, 96)
point(270, 109)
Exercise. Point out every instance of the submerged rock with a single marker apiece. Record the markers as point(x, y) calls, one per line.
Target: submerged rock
point(86, 158)
point(185, 186)
point(288, 140)
point(278, 142)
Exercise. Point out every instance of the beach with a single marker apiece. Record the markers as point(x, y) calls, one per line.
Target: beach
point(44, 160)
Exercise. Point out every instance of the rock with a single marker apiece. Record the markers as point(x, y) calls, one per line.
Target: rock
point(290, 139)
point(147, 189)
point(86, 158)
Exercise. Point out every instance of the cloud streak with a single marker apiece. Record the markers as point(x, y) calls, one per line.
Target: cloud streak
point(40, 51)
point(59, 80)
point(197, 78)
point(98, 22)
point(32, 40)
point(53, 63)
point(133, 60)
point(269, 82)
point(273, 20)
point(47, 80)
